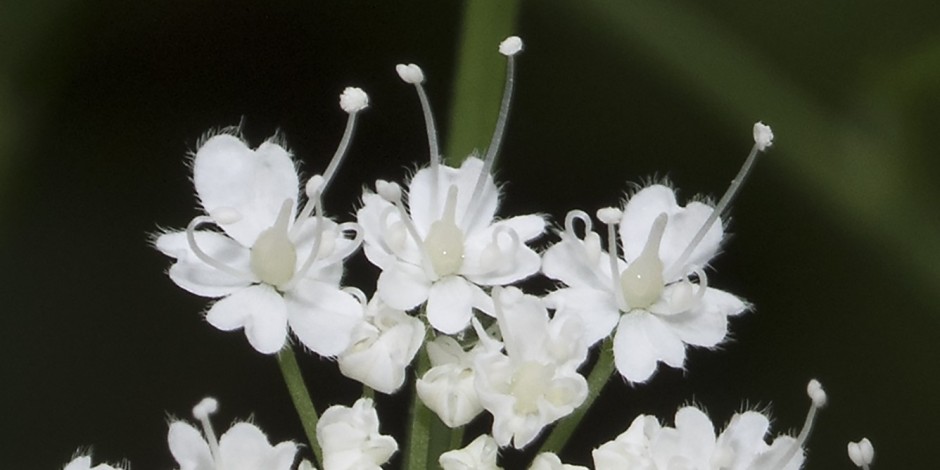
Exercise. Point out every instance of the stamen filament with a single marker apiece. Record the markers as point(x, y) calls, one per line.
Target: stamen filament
point(201, 412)
point(721, 209)
point(413, 231)
point(495, 142)
point(203, 256)
point(340, 151)
point(614, 269)
point(817, 400)
point(315, 249)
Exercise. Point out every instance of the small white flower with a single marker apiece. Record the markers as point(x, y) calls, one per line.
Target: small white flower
point(83, 462)
point(350, 438)
point(383, 346)
point(445, 246)
point(550, 461)
point(631, 449)
point(270, 266)
point(447, 388)
point(242, 447)
point(536, 381)
point(481, 454)
point(647, 294)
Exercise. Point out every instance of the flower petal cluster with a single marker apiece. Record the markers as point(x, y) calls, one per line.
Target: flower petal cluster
point(692, 444)
point(383, 345)
point(481, 454)
point(535, 381)
point(648, 294)
point(270, 268)
point(350, 438)
point(83, 462)
point(242, 447)
point(446, 246)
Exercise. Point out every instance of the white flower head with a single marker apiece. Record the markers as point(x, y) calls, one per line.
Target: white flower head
point(83, 462)
point(536, 381)
point(445, 246)
point(272, 264)
point(350, 439)
point(481, 454)
point(383, 346)
point(241, 447)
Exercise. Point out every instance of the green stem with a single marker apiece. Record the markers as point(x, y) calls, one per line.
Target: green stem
point(416, 452)
point(301, 398)
point(600, 374)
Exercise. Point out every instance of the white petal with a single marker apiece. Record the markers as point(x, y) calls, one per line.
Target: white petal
point(641, 341)
point(597, 310)
point(426, 203)
point(450, 304)
point(323, 316)
point(568, 261)
point(188, 447)
point(378, 219)
point(403, 286)
point(745, 437)
point(498, 264)
point(255, 183)
point(707, 324)
point(193, 275)
point(260, 310)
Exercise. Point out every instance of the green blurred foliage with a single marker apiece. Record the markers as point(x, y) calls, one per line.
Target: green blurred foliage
point(836, 240)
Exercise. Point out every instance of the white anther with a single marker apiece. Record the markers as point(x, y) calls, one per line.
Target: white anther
point(816, 393)
point(609, 215)
point(205, 408)
point(763, 136)
point(313, 186)
point(389, 190)
point(353, 100)
point(862, 453)
point(510, 46)
point(410, 73)
point(225, 215)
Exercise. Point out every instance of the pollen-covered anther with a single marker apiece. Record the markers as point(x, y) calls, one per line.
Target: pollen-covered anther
point(609, 215)
point(862, 453)
point(510, 46)
point(763, 136)
point(389, 190)
point(204, 408)
point(816, 393)
point(410, 73)
point(353, 100)
point(313, 186)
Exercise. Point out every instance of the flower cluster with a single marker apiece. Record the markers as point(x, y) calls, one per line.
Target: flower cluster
point(449, 293)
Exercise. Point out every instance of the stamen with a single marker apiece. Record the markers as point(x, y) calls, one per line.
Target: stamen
point(203, 256)
point(608, 216)
point(763, 138)
point(492, 256)
point(642, 282)
point(413, 74)
point(358, 294)
point(352, 101)
point(818, 400)
point(201, 412)
point(391, 192)
point(862, 453)
point(312, 190)
point(273, 256)
point(510, 47)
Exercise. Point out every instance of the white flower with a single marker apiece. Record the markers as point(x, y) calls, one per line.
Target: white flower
point(480, 454)
point(270, 266)
point(536, 381)
point(550, 461)
point(83, 462)
point(350, 438)
point(650, 298)
point(383, 346)
point(447, 388)
point(631, 449)
point(445, 245)
point(242, 447)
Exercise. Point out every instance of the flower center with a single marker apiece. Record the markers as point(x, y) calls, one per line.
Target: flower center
point(642, 282)
point(529, 383)
point(273, 256)
point(445, 242)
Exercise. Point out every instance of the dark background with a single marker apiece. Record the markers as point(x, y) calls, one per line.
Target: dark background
point(835, 238)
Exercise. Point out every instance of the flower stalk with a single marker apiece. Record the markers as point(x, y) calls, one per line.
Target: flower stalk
point(300, 396)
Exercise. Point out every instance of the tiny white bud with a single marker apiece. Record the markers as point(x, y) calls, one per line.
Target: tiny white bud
point(510, 46)
point(312, 188)
point(816, 393)
point(389, 191)
point(861, 453)
point(763, 136)
point(204, 408)
point(353, 100)
point(410, 73)
point(609, 215)
point(225, 215)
